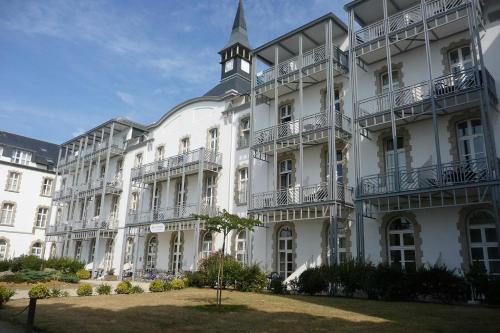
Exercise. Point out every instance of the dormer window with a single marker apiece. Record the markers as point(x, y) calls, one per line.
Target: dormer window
point(21, 157)
point(229, 65)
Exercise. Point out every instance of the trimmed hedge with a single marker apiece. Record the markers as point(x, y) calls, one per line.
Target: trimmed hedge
point(124, 287)
point(84, 289)
point(39, 291)
point(103, 289)
point(5, 295)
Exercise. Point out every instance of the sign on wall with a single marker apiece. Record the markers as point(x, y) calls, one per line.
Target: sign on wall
point(157, 227)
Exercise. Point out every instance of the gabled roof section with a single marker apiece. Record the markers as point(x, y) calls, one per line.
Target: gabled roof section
point(43, 152)
point(239, 33)
point(235, 82)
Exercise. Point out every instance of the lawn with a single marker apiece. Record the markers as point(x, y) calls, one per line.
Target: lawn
point(192, 310)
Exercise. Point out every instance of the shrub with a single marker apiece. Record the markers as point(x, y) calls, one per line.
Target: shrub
point(103, 289)
point(196, 279)
point(178, 284)
point(477, 279)
point(136, 289)
point(68, 278)
point(26, 263)
point(5, 265)
point(439, 283)
point(29, 276)
point(83, 274)
point(312, 281)
point(64, 265)
point(39, 291)
point(251, 278)
point(84, 289)
point(123, 287)
point(210, 268)
point(277, 286)
point(5, 295)
point(55, 292)
point(492, 294)
point(157, 286)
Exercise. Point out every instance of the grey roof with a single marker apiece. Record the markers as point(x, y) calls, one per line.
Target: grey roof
point(43, 152)
point(235, 82)
point(239, 32)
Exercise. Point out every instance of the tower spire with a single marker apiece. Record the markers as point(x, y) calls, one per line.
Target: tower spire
point(239, 32)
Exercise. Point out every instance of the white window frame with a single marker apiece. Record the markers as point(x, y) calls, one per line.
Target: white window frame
point(402, 247)
point(184, 146)
point(484, 245)
point(243, 185)
point(13, 181)
point(151, 253)
point(134, 200)
point(462, 63)
point(285, 266)
point(78, 250)
point(3, 249)
point(8, 210)
point(470, 138)
point(207, 245)
point(160, 153)
point(210, 190)
point(138, 160)
point(341, 250)
point(36, 250)
point(177, 253)
point(285, 174)
point(241, 246)
point(42, 216)
point(129, 251)
point(47, 186)
point(395, 81)
point(213, 135)
point(108, 255)
point(244, 132)
point(21, 157)
point(285, 113)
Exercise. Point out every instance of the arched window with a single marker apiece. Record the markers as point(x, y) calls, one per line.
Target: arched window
point(3, 249)
point(483, 241)
point(52, 253)
point(241, 241)
point(401, 244)
point(129, 251)
point(36, 249)
point(177, 253)
point(207, 245)
point(285, 252)
point(152, 250)
point(108, 255)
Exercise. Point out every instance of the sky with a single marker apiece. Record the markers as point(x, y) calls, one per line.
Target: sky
point(67, 65)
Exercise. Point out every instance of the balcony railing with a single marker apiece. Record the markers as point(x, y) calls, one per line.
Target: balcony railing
point(426, 178)
point(314, 122)
point(176, 212)
point(178, 161)
point(316, 193)
point(309, 58)
point(110, 223)
point(58, 228)
point(406, 18)
point(447, 85)
point(100, 146)
point(113, 182)
point(66, 192)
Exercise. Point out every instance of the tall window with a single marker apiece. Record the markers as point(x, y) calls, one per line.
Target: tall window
point(58, 215)
point(177, 253)
point(483, 241)
point(108, 255)
point(336, 96)
point(156, 197)
point(160, 152)
point(244, 139)
point(210, 186)
point(21, 157)
point(138, 160)
point(41, 217)
point(52, 253)
point(134, 200)
point(460, 59)
point(285, 252)
point(389, 160)
point(91, 251)
point(119, 168)
point(36, 249)
point(241, 241)
point(401, 244)
point(184, 146)
point(242, 185)
point(285, 113)
point(151, 253)
point(207, 245)
point(384, 81)
point(8, 213)
point(47, 186)
point(470, 139)
point(213, 139)
point(129, 251)
point(3, 249)
point(285, 180)
point(97, 206)
point(13, 181)
point(102, 172)
point(342, 254)
point(181, 194)
point(78, 250)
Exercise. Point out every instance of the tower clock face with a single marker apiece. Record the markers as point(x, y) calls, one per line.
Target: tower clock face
point(229, 65)
point(245, 66)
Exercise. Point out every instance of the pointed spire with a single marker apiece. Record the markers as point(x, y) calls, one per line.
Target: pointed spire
point(239, 32)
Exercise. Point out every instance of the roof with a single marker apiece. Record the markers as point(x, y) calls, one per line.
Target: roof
point(43, 152)
point(234, 82)
point(239, 32)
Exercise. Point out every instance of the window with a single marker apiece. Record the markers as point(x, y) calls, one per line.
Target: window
point(134, 200)
point(8, 214)
point(460, 59)
point(138, 160)
point(244, 138)
point(3, 249)
point(119, 168)
point(245, 66)
point(213, 139)
point(102, 172)
point(52, 253)
point(47, 186)
point(401, 244)
point(207, 245)
point(241, 241)
point(285, 180)
point(129, 251)
point(229, 65)
point(41, 217)
point(285, 252)
point(177, 253)
point(108, 255)
point(336, 100)
point(13, 181)
point(389, 155)
point(21, 157)
point(342, 254)
point(58, 215)
point(184, 146)
point(384, 81)
point(92, 251)
point(210, 186)
point(78, 250)
point(160, 152)
point(97, 206)
point(156, 197)
point(242, 185)
point(483, 241)
point(285, 113)
point(181, 194)
point(470, 140)
point(151, 253)
point(36, 249)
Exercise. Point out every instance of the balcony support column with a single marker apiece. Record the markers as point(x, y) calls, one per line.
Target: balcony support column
point(252, 110)
point(332, 156)
point(153, 197)
point(136, 251)
point(167, 195)
point(199, 208)
point(391, 98)
point(301, 116)
point(122, 253)
point(432, 93)
point(103, 196)
point(277, 118)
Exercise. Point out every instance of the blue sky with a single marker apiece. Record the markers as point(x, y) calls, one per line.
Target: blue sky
point(66, 66)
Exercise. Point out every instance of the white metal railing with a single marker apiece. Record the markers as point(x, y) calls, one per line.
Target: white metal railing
point(453, 173)
point(58, 228)
point(176, 212)
point(314, 56)
point(65, 192)
point(287, 129)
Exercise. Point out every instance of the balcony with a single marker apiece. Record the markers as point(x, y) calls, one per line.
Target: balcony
point(63, 194)
point(454, 174)
point(58, 228)
point(299, 195)
point(308, 126)
point(111, 223)
point(113, 186)
point(451, 92)
point(93, 152)
point(170, 214)
point(175, 165)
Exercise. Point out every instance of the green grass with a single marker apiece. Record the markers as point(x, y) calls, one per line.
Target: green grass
point(194, 310)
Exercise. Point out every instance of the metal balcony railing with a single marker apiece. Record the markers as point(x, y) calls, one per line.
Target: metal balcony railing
point(406, 18)
point(110, 223)
point(58, 228)
point(66, 192)
point(113, 182)
point(178, 161)
point(309, 123)
point(316, 193)
point(176, 212)
point(447, 85)
point(98, 147)
point(426, 178)
point(309, 58)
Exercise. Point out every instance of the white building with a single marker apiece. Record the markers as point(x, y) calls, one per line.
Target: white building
point(286, 116)
point(27, 181)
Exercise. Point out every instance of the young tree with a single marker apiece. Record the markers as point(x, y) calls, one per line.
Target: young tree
point(224, 223)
